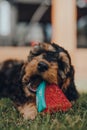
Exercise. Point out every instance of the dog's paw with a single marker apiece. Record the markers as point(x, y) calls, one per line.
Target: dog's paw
point(28, 111)
point(30, 115)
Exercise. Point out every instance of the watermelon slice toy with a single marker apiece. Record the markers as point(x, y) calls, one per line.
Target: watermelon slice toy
point(50, 99)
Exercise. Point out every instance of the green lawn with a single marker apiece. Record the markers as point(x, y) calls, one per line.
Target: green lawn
point(74, 119)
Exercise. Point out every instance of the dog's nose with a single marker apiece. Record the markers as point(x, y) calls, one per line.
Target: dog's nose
point(42, 66)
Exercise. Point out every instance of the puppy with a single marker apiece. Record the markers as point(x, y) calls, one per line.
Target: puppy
point(46, 61)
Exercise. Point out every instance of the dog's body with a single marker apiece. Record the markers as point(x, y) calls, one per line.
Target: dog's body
point(19, 80)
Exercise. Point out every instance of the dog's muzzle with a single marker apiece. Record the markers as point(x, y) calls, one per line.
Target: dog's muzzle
point(42, 66)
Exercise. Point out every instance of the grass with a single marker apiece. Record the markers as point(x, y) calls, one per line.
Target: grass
point(74, 119)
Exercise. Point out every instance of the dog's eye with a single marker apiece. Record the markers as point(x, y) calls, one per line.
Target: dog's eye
point(50, 56)
point(33, 54)
point(36, 53)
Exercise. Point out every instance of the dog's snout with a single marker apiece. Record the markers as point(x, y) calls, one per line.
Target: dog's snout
point(42, 66)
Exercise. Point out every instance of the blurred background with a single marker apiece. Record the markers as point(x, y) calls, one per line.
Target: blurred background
point(24, 23)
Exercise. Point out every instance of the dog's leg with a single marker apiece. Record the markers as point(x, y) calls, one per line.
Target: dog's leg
point(28, 111)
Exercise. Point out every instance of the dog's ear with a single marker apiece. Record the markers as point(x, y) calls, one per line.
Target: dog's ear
point(66, 73)
point(63, 59)
point(68, 86)
point(71, 92)
point(64, 63)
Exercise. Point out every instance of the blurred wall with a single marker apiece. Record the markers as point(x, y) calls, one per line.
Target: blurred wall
point(65, 33)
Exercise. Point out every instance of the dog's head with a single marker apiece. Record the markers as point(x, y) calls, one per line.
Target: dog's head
point(48, 62)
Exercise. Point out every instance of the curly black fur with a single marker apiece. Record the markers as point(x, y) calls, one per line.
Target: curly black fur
point(63, 65)
point(12, 71)
point(10, 81)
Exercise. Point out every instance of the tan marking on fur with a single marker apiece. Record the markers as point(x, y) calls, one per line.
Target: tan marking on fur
point(43, 46)
point(28, 111)
point(62, 74)
point(31, 68)
point(66, 84)
point(47, 47)
point(50, 75)
point(27, 92)
point(65, 59)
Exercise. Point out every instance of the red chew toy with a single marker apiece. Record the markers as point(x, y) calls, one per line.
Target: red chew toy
point(55, 99)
